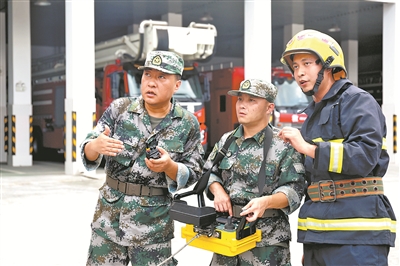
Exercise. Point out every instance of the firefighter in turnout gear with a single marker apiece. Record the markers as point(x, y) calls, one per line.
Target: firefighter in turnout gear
point(346, 218)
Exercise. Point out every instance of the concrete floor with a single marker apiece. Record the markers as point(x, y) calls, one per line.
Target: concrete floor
point(45, 217)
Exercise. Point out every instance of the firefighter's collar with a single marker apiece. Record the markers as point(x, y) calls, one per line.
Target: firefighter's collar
point(335, 88)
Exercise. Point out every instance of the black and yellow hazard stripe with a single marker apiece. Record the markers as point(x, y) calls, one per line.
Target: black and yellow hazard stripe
point(65, 134)
point(30, 135)
point(6, 134)
point(13, 137)
point(394, 133)
point(74, 136)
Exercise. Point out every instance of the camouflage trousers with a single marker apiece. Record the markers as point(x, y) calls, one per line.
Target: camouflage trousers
point(106, 252)
point(262, 256)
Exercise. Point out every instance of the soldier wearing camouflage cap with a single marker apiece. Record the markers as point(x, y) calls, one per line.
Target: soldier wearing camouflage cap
point(235, 184)
point(258, 88)
point(152, 148)
point(166, 62)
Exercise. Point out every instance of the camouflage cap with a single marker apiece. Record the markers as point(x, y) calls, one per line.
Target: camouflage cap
point(258, 88)
point(167, 62)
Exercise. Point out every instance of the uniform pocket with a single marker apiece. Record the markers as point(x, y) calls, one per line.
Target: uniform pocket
point(226, 163)
point(130, 153)
point(270, 178)
point(107, 210)
point(225, 166)
point(270, 169)
point(330, 121)
point(155, 206)
point(109, 195)
point(270, 174)
point(173, 146)
point(325, 113)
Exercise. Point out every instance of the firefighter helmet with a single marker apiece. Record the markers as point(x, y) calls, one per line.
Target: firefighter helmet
point(322, 45)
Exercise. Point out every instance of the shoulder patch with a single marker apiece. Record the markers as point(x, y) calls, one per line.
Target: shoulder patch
point(299, 167)
point(214, 153)
point(179, 110)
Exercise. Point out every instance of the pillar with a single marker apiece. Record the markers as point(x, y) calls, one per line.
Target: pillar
point(296, 14)
point(257, 38)
point(3, 94)
point(350, 51)
point(19, 84)
point(80, 102)
point(390, 70)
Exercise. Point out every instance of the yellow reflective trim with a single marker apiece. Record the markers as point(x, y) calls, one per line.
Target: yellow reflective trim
point(337, 140)
point(355, 224)
point(384, 146)
point(336, 157)
point(332, 140)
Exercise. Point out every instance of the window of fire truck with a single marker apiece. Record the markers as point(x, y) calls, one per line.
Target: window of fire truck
point(117, 84)
point(290, 96)
point(190, 90)
point(134, 87)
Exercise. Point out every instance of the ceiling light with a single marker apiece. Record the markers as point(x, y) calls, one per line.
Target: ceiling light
point(42, 3)
point(334, 28)
point(206, 17)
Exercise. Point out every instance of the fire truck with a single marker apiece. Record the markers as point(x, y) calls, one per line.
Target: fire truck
point(116, 63)
point(221, 111)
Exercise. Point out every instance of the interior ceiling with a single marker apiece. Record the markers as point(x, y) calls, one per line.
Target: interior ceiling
point(358, 20)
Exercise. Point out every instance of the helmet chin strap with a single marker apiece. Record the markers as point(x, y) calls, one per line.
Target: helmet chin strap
point(326, 64)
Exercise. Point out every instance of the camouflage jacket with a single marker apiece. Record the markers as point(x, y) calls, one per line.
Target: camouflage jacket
point(238, 172)
point(132, 220)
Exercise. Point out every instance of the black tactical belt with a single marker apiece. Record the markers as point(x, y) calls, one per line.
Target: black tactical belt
point(329, 190)
point(131, 189)
point(237, 209)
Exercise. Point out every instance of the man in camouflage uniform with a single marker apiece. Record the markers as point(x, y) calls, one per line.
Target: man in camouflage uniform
point(131, 220)
point(233, 183)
